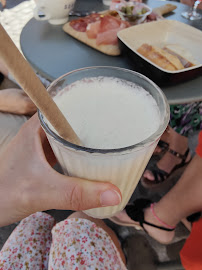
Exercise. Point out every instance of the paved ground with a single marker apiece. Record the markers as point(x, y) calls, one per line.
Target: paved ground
point(143, 253)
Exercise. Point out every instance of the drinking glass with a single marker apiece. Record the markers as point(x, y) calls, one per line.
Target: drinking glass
point(193, 15)
point(123, 167)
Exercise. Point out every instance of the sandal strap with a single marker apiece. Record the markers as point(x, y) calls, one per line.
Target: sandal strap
point(159, 175)
point(163, 145)
point(157, 227)
point(1, 77)
point(194, 217)
point(136, 213)
point(176, 154)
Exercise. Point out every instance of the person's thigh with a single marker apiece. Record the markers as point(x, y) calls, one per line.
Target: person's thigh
point(102, 225)
point(28, 245)
point(10, 124)
point(81, 242)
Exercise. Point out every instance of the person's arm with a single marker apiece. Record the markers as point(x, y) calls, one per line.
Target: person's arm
point(16, 101)
point(29, 184)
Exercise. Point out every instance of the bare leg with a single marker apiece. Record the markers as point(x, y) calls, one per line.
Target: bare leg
point(185, 197)
point(102, 225)
point(182, 200)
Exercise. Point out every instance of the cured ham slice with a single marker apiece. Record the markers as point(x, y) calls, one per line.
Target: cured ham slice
point(92, 18)
point(109, 22)
point(93, 29)
point(109, 37)
point(109, 28)
point(105, 30)
point(81, 24)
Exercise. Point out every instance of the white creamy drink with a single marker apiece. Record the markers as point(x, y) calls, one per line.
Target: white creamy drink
point(108, 113)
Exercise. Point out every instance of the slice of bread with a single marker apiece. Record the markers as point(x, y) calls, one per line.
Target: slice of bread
point(164, 9)
point(82, 36)
point(183, 55)
point(160, 57)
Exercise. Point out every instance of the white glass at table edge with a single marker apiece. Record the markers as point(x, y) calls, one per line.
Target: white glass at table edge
point(123, 167)
point(193, 15)
point(106, 2)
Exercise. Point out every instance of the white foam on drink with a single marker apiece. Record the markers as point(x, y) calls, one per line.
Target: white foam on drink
point(109, 113)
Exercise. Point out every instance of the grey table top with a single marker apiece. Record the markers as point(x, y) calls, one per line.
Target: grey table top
point(53, 53)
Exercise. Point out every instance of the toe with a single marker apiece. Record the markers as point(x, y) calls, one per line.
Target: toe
point(157, 150)
point(148, 175)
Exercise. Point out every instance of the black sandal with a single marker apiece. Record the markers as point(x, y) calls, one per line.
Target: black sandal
point(164, 146)
point(194, 217)
point(136, 213)
point(1, 77)
point(160, 176)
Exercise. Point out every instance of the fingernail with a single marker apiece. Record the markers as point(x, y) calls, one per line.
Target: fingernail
point(110, 197)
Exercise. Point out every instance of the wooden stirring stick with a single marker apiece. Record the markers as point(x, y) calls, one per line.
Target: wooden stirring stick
point(26, 77)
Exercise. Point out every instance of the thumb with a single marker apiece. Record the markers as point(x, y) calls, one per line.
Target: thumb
point(70, 193)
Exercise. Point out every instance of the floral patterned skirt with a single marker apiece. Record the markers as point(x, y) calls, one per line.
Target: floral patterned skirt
point(37, 243)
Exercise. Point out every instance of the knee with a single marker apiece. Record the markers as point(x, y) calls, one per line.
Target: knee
point(79, 215)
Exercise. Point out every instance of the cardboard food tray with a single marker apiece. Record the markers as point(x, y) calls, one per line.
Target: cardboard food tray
point(161, 33)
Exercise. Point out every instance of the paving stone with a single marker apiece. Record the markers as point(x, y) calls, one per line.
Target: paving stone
point(140, 255)
point(174, 249)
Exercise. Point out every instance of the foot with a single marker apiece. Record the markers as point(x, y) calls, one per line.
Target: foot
point(167, 163)
point(164, 237)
